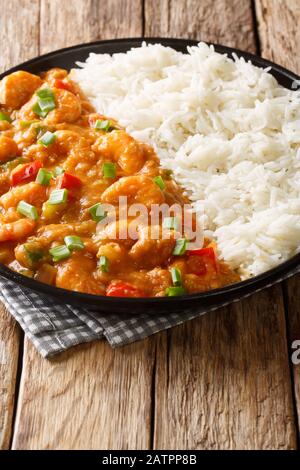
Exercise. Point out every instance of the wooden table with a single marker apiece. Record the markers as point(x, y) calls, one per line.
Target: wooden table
point(223, 381)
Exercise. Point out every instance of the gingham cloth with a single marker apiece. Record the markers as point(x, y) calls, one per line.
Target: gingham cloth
point(53, 328)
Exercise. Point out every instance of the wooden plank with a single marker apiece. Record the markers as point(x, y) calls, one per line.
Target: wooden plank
point(293, 306)
point(280, 37)
point(67, 23)
point(19, 27)
point(279, 33)
point(227, 22)
point(223, 381)
point(25, 45)
point(9, 353)
point(91, 397)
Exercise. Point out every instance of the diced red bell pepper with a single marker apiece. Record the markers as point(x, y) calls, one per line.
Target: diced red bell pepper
point(63, 85)
point(123, 289)
point(208, 254)
point(25, 173)
point(68, 181)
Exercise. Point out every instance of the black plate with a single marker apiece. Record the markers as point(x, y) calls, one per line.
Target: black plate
point(66, 58)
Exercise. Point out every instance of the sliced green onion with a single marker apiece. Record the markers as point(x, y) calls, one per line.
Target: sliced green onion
point(160, 182)
point(171, 223)
point(58, 171)
point(103, 125)
point(38, 110)
point(47, 105)
point(58, 196)
point(5, 117)
point(73, 242)
point(109, 170)
point(43, 177)
point(176, 277)
point(180, 247)
point(97, 212)
point(59, 252)
point(104, 264)
point(28, 210)
point(25, 124)
point(47, 139)
point(45, 93)
point(34, 256)
point(174, 291)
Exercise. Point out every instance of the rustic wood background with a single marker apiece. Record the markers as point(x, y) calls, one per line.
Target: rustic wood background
point(224, 381)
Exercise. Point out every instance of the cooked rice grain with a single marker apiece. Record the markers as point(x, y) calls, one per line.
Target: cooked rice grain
point(226, 128)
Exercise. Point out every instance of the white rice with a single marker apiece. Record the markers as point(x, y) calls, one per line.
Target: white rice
point(226, 128)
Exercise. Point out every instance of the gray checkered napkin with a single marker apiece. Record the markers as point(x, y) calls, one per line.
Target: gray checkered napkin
point(54, 328)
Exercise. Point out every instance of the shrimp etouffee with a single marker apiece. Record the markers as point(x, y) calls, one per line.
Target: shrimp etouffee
point(60, 163)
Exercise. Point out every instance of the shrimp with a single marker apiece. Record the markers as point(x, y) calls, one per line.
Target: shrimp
point(33, 193)
point(116, 254)
point(118, 230)
point(80, 158)
point(138, 189)
point(67, 109)
point(153, 251)
point(8, 148)
point(16, 230)
point(76, 274)
point(53, 74)
point(17, 88)
point(122, 148)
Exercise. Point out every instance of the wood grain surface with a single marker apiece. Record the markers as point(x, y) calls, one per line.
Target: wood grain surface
point(280, 38)
point(92, 397)
point(9, 354)
point(13, 50)
point(223, 381)
point(228, 22)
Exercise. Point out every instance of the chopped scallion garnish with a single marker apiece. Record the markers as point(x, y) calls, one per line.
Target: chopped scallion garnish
point(43, 177)
point(28, 210)
point(45, 93)
point(176, 276)
point(103, 263)
point(47, 139)
point(109, 170)
point(5, 117)
point(180, 247)
point(45, 102)
point(26, 124)
point(103, 125)
point(175, 291)
point(59, 253)
point(160, 182)
point(74, 243)
point(46, 105)
point(58, 196)
point(37, 110)
point(97, 212)
point(33, 255)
